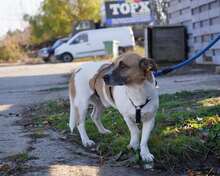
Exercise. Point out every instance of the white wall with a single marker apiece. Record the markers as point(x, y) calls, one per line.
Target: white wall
point(202, 20)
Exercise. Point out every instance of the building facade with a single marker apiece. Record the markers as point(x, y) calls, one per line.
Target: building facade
point(202, 21)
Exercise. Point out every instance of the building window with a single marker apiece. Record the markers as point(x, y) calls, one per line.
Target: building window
point(195, 39)
point(210, 22)
point(216, 20)
point(209, 6)
point(194, 25)
point(213, 52)
point(195, 10)
point(206, 38)
point(202, 39)
point(201, 24)
point(200, 9)
point(204, 7)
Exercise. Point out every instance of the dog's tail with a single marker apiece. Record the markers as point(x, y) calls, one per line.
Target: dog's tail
point(72, 94)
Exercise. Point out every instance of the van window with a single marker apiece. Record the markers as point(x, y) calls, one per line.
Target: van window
point(80, 39)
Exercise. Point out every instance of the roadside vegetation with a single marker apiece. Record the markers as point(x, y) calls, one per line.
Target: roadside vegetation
point(54, 20)
point(186, 135)
point(57, 17)
point(13, 46)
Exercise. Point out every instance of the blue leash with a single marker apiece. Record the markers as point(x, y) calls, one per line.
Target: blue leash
point(187, 61)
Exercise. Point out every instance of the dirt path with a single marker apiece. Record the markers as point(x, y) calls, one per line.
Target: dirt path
point(22, 86)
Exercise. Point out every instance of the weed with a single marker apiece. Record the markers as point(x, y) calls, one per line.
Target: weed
point(21, 157)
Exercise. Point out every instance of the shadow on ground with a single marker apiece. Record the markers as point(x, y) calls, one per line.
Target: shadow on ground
point(23, 154)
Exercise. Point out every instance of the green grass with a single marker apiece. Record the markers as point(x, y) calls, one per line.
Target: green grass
point(187, 128)
point(15, 164)
point(21, 157)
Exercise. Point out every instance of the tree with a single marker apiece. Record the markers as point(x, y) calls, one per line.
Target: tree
point(56, 18)
point(87, 9)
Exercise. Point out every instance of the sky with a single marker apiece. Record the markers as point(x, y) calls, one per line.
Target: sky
point(12, 12)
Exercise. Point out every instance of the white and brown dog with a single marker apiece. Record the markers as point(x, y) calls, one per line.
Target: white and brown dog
point(127, 84)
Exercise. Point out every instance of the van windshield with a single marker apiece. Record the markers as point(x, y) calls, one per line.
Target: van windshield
point(82, 38)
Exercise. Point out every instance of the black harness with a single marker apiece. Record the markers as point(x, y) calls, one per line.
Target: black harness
point(111, 94)
point(138, 109)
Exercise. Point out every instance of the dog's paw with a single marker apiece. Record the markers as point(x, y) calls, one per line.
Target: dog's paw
point(134, 145)
point(88, 143)
point(105, 131)
point(147, 157)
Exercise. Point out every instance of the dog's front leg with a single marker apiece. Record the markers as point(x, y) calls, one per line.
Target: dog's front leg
point(134, 132)
point(146, 130)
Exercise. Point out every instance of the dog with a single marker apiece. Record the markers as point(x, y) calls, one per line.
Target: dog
point(127, 84)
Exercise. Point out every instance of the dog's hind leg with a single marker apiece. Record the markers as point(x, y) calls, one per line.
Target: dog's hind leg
point(98, 108)
point(72, 94)
point(73, 116)
point(81, 113)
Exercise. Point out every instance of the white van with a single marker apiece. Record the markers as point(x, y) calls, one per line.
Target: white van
point(91, 43)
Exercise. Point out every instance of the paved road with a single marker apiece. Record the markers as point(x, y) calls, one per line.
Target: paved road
point(21, 86)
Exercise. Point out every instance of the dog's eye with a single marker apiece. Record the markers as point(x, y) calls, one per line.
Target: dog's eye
point(122, 65)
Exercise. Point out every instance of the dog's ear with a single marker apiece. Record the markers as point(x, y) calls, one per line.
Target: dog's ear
point(148, 64)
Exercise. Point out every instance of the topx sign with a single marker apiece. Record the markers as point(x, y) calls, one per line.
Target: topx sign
point(127, 12)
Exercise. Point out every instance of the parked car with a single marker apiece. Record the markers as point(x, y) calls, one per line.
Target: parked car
point(47, 52)
point(91, 43)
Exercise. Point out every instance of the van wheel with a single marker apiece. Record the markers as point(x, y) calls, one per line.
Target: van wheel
point(46, 59)
point(66, 57)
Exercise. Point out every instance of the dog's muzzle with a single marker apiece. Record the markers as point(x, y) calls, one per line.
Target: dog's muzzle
point(113, 80)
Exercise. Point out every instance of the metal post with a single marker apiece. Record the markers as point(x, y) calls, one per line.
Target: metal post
point(115, 49)
point(146, 42)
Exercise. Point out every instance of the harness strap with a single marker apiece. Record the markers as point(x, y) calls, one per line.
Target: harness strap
point(111, 94)
point(138, 109)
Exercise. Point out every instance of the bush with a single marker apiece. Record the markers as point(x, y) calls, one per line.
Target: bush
point(12, 47)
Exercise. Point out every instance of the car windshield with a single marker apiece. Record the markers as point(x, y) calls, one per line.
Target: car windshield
point(59, 42)
point(80, 39)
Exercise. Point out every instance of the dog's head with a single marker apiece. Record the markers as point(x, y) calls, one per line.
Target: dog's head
point(129, 69)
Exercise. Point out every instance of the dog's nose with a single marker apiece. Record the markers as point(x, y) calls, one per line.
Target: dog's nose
point(106, 78)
